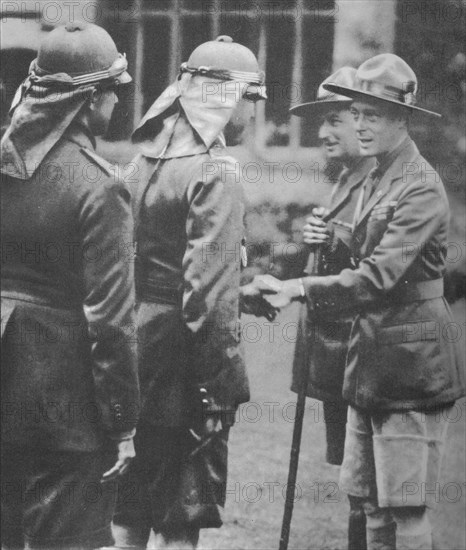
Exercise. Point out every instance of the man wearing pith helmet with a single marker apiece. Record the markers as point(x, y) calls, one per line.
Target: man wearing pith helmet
point(401, 376)
point(70, 395)
point(321, 346)
point(189, 228)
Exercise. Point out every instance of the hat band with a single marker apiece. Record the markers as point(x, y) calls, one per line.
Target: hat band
point(225, 74)
point(41, 77)
point(332, 98)
point(385, 91)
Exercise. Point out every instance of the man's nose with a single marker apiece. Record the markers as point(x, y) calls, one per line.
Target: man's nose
point(324, 130)
point(359, 124)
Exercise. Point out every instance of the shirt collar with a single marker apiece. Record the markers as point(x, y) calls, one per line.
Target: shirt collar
point(386, 160)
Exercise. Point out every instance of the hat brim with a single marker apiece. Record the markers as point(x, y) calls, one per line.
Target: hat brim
point(357, 94)
point(124, 78)
point(317, 107)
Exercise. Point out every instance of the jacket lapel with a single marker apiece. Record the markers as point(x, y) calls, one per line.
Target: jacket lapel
point(354, 179)
point(393, 173)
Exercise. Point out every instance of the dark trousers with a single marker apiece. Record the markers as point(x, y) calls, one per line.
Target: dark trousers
point(335, 413)
point(55, 499)
point(335, 416)
point(175, 485)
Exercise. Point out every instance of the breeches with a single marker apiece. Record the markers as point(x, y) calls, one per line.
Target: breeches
point(394, 457)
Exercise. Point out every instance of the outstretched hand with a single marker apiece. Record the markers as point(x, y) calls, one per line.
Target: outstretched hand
point(252, 300)
point(277, 293)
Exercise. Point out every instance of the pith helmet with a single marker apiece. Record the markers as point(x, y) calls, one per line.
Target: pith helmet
point(227, 60)
point(386, 77)
point(83, 52)
point(326, 100)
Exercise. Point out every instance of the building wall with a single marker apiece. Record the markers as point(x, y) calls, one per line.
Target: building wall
point(363, 28)
point(292, 39)
point(298, 43)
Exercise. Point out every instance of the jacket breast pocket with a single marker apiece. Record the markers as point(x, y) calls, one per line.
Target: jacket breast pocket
point(383, 211)
point(410, 360)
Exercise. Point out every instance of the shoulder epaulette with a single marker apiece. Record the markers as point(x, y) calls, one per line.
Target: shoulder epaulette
point(106, 166)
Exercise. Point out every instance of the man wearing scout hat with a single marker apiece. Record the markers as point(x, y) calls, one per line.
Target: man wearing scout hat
point(323, 349)
point(69, 379)
point(401, 376)
point(189, 227)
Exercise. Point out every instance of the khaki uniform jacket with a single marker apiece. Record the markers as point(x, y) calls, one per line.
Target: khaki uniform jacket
point(322, 343)
point(399, 357)
point(189, 220)
point(69, 376)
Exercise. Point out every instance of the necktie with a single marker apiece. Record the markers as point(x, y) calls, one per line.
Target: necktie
point(368, 187)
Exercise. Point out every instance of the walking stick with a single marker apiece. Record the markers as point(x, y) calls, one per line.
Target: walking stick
point(297, 429)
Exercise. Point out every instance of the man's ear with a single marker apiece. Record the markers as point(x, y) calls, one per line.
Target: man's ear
point(94, 97)
point(404, 120)
point(400, 116)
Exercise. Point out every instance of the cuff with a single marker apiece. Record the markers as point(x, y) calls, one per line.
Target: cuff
point(315, 303)
point(122, 436)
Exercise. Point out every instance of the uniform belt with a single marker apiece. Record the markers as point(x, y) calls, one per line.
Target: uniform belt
point(415, 291)
point(151, 291)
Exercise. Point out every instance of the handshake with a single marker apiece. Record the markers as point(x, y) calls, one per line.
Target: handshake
point(265, 295)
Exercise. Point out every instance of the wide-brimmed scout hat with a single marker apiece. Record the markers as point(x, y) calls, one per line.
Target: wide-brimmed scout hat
point(386, 77)
point(326, 100)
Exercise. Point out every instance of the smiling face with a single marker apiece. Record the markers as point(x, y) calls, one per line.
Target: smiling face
point(338, 135)
point(380, 127)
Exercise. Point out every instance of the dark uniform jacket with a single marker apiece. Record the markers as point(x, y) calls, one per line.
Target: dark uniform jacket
point(69, 375)
point(322, 342)
point(399, 357)
point(189, 213)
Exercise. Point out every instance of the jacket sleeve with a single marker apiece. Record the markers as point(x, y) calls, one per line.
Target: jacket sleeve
point(211, 271)
point(420, 212)
point(106, 226)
